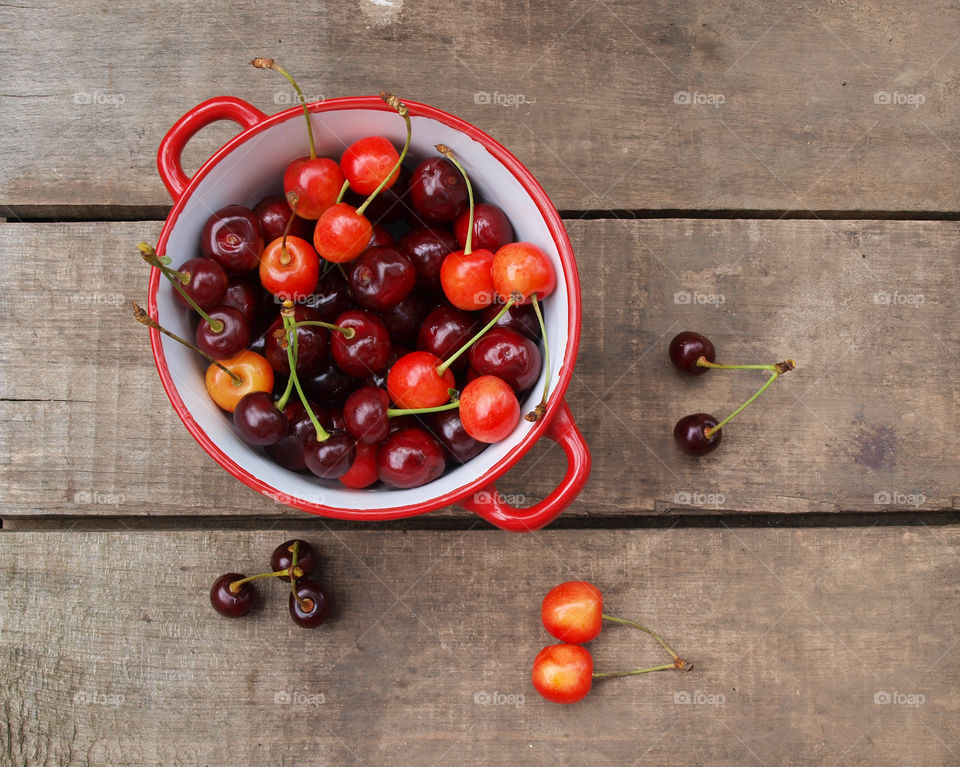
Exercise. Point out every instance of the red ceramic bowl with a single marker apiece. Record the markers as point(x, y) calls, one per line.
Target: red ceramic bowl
point(250, 166)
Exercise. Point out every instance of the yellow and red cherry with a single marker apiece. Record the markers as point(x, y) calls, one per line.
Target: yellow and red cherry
point(363, 472)
point(563, 673)
point(467, 280)
point(489, 409)
point(289, 268)
point(254, 372)
point(414, 381)
point(521, 270)
point(342, 233)
point(315, 183)
point(368, 162)
point(573, 611)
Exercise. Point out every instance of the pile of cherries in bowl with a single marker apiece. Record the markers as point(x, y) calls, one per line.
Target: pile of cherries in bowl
point(372, 323)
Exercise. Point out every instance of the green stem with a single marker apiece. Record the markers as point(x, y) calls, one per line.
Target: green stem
point(442, 367)
point(445, 151)
point(703, 362)
point(710, 431)
point(150, 256)
point(538, 412)
point(271, 64)
point(654, 634)
point(609, 674)
point(393, 412)
point(288, 322)
point(348, 333)
point(402, 110)
point(343, 190)
point(294, 557)
point(235, 585)
point(282, 402)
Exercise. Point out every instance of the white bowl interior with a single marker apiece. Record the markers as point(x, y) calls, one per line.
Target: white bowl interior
point(254, 169)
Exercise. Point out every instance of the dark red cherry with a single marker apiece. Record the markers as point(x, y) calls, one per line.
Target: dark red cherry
point(207, 283)
point(426, 249)
point(331, 297)
point(282, 557)
point(313, 343)
point(315, 604)
point(258, 420)
point(379, 379)
point(331, 458)
point(244, 294)
point(273, 213)
point(380, 278)
point(391, 204)
point(231, 237)
point(329, 385)
point(519, 317)
point(288, 452)
point(403, 321)
point(687, 347)
point(365, 415)
point(231, 340)
point(689, 434)
point(381, 236)
point(228, 603)
point(369, 349)
point(446, 329)
point(437, 190)
point(447, 427)
point(491, 228)
point(509, 355)
point(409, 458)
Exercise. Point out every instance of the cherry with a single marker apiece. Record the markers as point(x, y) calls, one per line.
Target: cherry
point(573, 611)
point(691, 434)
point(489, 409)
point(365, 414)
point(448, 428)
point(509, 355)
point(229, 602)
point(491, 227)
point(380, 278)
point(437, 190)
point(519, 317)
point(288, 452)
point(427, 248)
point(521, 270)
point(290, 268)
point(403, 321)
point(231, 237)
point(687, 347)
point(331, 297)
point(311, 605)
point(274, 213)
point(409, 458)
point(563, 673)
point(230, 340)
point(369, 162)
point(313, 343)
point(252, 370)
point(206, 282)
point(389, 205)
point(368, 350)
point(414, 381)
point(445, 330)
point(282, 558)
point(381, 236)
point(363, 472)
point(243, 294)
point(342, 233)
point(259, 421)
point(330, 458)
point(329, 385)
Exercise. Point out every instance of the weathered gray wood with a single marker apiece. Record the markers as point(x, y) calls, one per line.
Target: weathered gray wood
point(793, 633)
point(590, 90)
point(867, 411)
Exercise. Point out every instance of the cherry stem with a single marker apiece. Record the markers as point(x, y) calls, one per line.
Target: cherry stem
point(348, 333)
point(285, 397)
point(402, 110)
point(235, 585)
point(295, 553)
point(703, 362)
point(452, 405)
point(292, 201)
point(538, 412)
point(286, 314)
point(445, 151)
point(143, 318)
point(150, 256)
point(654, 634)
point(778, 369)
point(343, 190)
point(442, 367)
point(261, 63)
point(609, 674)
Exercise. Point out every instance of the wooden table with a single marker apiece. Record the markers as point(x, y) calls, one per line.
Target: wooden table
point(782, 176)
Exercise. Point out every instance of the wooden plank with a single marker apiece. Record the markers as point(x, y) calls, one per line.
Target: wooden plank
point(794, 634)
point(862, 420)
point(586, 95)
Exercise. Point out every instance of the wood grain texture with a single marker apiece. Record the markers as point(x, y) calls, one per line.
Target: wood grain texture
point(790, 640)
point(584, 93)
point(863, 424)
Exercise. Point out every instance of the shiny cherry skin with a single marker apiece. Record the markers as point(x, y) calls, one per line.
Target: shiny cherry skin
point(289, 268)
point(315, 600)
point(519, 317)
point(491, 227)
point(258, 421)
point(409, 458)
point(448, 428)
point(329, 385)
point(314, 183)
point(282, 558)
point(368, 161)
point(368, 350)
point(331, 297)
point(427, 248)
point(445, 329)
point(509, 355)
point(390, 204)
point(228, 603)
point(363, 472)
point(255, 375)
point(689, 434)
point(563, 673)
point(437, 190)
point(413, 381)
point(313, 343)
point(380, 278)
point(573, 611)
point(231, 237)
point(687, 347)
point(381, 236)
point(330, 458)
point(467, 280)
point(342, 234)
point(207, 282)
point(489, 409)
point(522, 269)
point(243, 294)
point(231, 340)
point(365, 414)
point(403, 321)
point(288, 452)
point(273, 213)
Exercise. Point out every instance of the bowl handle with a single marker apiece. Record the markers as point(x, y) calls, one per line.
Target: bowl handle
point(202, 115)
point(492, 506)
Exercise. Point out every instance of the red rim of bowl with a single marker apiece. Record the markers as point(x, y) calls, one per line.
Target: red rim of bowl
point(571, 279)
